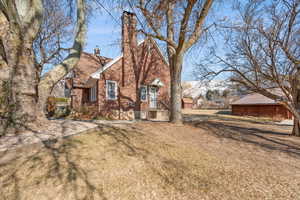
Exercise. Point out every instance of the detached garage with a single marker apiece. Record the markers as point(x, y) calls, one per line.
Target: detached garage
point(260, 106)
point(187, 103)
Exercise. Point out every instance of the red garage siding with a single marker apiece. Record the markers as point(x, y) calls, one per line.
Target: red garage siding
point(274, 111)
point(187, 103)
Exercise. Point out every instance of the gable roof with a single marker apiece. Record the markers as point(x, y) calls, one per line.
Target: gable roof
point(88, 63)
point(187, 100)
point(255, 99)
point(96, 75)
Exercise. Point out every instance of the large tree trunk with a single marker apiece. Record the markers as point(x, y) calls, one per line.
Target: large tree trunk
point(296, 128)
point(176, 66)
point(294, 109)
point(22, 81)
point(296, 99)
point(22, 21)
point(24, 84)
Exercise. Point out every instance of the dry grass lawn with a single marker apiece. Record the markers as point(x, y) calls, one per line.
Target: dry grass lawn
point(205, 160)
point(224, 114)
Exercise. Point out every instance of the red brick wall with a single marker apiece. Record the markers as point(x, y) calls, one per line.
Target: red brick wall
point(87, 65)
point(80, 99)
point(77, 95)
point(276, 112)
point(186, 105)
point(148, 66)
point(140, 65)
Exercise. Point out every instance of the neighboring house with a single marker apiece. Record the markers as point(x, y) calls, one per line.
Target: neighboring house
point(199, 101)
point(135, 84)
point(260, 106)
point(187, 103)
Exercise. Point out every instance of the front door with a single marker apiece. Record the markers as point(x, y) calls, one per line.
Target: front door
point(153, 97)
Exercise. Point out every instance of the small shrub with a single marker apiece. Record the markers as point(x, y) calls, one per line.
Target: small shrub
point(53, 110)
point(61, 100)
point(62, 112)
point(51, 106)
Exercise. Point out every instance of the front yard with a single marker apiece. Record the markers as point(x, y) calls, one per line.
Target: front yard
point(211, 159)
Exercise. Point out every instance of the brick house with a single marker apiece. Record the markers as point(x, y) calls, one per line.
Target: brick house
point(135, 84)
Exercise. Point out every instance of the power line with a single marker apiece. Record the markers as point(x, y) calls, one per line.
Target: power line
point(131, 6)
point(101, 5)
point(133, 9)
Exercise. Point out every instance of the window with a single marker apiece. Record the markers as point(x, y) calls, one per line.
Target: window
point(143, 93)
point(153, 97)
point(111, 90)
point(93, 93)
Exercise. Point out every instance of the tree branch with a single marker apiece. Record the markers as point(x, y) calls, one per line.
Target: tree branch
point(60, 70)
point(184, 24)
point(199, 23)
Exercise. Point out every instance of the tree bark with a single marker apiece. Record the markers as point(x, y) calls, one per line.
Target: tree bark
point(296, 99)
point(24, 79)
point(296, 128)
point(176, 67)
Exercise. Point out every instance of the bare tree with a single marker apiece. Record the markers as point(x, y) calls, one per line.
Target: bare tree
point(263, 52)
point(27, 93)
point(55, 33)
point(179, 24)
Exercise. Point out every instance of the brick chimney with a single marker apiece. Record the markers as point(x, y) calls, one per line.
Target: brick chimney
point(129, 35)
point(129, 41)
point(97, 51)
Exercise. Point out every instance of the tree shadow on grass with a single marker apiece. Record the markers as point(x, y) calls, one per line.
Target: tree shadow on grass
point(59, 167)
point(52, 165)
point(271, 140)
point(174, 174)
point(202, 117)
point(62, 168)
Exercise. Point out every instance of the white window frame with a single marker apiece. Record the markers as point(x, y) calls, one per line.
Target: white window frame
point(146, 88)
point(116, 90)
point(93, 94)
point(155, 94)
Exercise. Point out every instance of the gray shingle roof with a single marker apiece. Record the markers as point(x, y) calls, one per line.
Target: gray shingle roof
point(254, 99)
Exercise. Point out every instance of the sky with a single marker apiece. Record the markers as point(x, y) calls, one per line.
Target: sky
point(104, 31)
